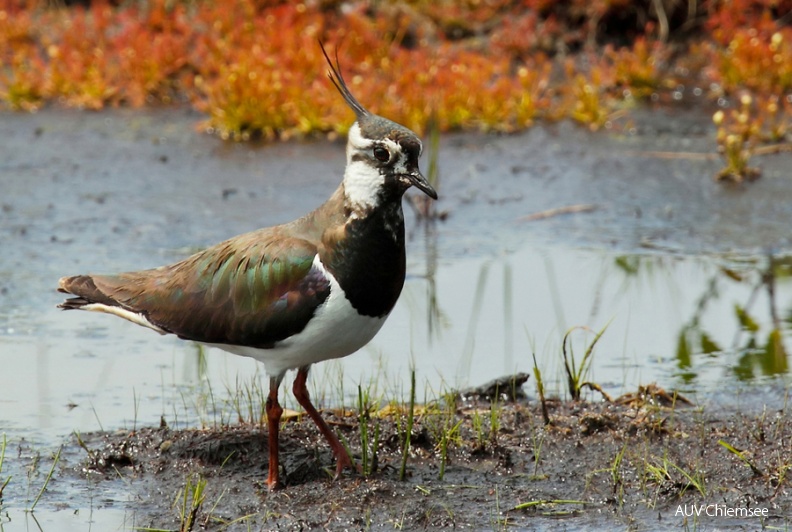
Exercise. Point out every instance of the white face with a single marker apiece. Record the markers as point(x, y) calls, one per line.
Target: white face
point(362, 180)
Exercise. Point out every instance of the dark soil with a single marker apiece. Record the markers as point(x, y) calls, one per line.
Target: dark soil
point(633, 463)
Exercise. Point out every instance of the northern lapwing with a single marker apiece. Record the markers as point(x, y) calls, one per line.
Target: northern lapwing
point(316, 288)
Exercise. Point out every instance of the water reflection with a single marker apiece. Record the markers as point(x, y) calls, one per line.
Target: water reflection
point(758, 341)
point(699, 323)
point(678, 320)
point(434, 318)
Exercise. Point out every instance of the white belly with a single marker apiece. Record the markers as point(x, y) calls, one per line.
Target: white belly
point(336, 330)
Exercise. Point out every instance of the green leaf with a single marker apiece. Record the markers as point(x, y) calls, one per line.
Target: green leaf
point(746, 321)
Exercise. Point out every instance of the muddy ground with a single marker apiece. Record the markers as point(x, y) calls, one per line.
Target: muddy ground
point(637, 464)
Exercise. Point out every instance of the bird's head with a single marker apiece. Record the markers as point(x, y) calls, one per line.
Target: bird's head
point(382, 156)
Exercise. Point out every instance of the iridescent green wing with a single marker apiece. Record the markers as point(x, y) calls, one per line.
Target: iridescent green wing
point(249, 290)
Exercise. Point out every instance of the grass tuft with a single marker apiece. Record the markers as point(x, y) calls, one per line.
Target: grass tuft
point(369, 440)
point(192, 498)
point(576, 375)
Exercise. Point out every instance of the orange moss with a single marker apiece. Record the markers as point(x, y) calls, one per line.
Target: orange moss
point(255, 69)
point(639, 70)
point(758, 61)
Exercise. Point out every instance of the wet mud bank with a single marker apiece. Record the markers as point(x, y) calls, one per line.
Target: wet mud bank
point(640, 463)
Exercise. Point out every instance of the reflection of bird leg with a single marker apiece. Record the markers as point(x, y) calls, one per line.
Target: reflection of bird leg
point(769, 280)
point(433, 308)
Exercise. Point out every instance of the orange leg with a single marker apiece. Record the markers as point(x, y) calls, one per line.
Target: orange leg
point(301, 394)
point(274, 412)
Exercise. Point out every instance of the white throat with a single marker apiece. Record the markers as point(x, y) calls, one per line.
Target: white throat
point(362, 181)
point(361, 185)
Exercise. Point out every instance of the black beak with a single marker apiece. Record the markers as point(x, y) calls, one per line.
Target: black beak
point(417, 179)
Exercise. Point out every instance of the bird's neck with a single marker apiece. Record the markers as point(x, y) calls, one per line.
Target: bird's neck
point(365, 252)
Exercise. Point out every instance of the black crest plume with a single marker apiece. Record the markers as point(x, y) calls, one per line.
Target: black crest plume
point(338, 80)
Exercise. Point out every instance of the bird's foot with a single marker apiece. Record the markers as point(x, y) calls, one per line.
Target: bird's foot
point(275, 486)
point(344, 461)
point(274, 483)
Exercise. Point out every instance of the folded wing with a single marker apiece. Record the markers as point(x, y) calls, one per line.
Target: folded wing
point(250, 290)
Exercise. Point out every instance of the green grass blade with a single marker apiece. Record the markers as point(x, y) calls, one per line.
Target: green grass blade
point(408, 431)
point(47, 480)
point(542, 502)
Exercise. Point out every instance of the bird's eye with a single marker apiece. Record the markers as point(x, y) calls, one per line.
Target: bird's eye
point(381, 154)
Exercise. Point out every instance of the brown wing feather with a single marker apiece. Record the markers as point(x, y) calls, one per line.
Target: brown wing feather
point(254, 289)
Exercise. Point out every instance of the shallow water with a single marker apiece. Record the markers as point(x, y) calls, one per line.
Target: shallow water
point(691, 278)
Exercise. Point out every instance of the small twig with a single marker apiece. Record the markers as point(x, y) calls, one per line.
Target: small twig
point(695, 156)
point(662, 19)
point(772, 149)
point(549, 213)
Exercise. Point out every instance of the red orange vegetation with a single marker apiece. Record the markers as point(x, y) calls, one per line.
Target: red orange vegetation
point(255, 69)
